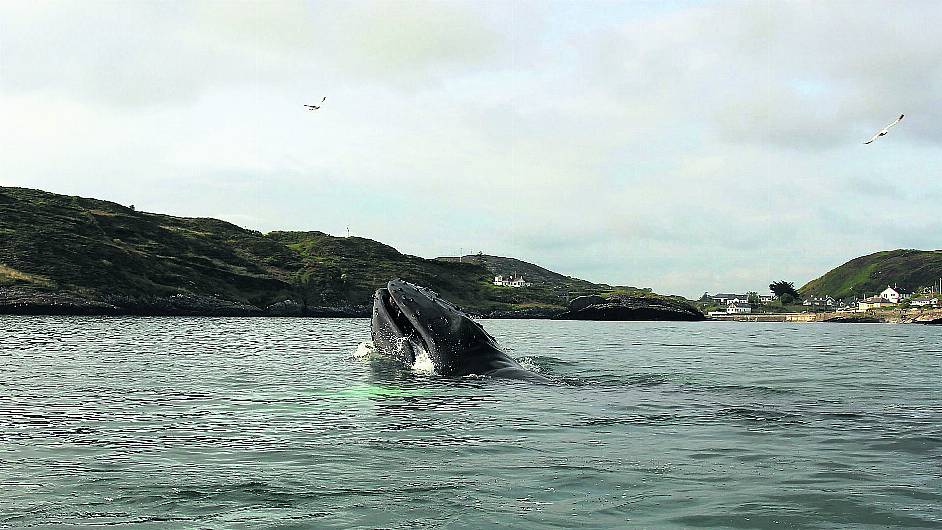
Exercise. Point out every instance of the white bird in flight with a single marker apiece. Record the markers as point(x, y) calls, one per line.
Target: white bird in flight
point(884, 130)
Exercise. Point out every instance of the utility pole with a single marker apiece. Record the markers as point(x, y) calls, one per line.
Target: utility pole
point(348, 231)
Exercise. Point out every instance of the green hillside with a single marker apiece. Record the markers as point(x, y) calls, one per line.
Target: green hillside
point(350, 269)
point(59, 249)
point(96, 247)
point(868, 275)
point(554, 284)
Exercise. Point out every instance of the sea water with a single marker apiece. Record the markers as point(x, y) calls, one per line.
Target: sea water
point(257, 422)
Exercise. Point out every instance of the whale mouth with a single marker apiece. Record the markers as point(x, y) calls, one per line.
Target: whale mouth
point(416, 326)
point(400, 320)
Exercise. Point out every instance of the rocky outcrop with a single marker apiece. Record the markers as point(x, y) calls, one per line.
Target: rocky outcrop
point(16, 300)
point(581, 302)
point(347, 311)
point(530, 312)
point(285, 308)
point(853, 319)
point(185, 304)
point(931, 317)
point(619, 307)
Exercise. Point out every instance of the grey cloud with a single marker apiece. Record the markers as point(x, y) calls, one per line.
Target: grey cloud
point(800, 75)
point(874, 187)
point(409, 41)
point(133, 53)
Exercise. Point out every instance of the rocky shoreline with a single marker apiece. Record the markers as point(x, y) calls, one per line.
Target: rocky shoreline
point(26, 301)
point(19, 300)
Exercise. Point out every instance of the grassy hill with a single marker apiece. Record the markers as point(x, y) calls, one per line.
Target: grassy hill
point(869, 275)
point(98, 247)
point(532, 273)
point(110, 255)
point(349, 269)
point(555, 284)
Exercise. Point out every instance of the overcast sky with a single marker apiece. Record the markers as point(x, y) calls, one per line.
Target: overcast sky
point(683, 146)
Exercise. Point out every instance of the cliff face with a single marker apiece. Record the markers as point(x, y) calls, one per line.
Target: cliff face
point(64, 254)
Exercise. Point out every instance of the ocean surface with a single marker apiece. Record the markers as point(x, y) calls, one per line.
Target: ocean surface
point(255, 423)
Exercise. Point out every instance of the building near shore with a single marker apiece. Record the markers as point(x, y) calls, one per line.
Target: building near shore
point(925, 301)
point(822, 302)
point(722, 299)
point(738, 308)
point(874, 302)
point(894, 294)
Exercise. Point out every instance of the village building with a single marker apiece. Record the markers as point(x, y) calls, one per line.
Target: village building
point(846, 305)
point(722, 299)
point(925, 301)
point(511, 280)
point(874, 302)
point(736, 308)
point(819, 301)
point(894, 295)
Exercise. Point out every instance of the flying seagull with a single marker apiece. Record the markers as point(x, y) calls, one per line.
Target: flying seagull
point(884, 130)
point(315, 107)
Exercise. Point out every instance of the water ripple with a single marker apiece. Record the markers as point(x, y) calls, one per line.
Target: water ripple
point(233, 422)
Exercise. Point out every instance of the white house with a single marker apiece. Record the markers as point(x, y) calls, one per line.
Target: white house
point(511, 281)
point(738, 308)
point(890, 294)
point(894, 295)
point(726, 298)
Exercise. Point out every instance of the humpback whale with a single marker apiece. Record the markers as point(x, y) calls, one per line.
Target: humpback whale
point(411, 322)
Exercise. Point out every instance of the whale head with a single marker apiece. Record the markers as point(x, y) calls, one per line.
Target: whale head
point(410, 322)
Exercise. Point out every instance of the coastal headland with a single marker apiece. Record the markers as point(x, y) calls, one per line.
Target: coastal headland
point(63, 254)
point(67, 255)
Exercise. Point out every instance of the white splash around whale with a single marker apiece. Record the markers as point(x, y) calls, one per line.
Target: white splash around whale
point(423, 362)
point(365, 350)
